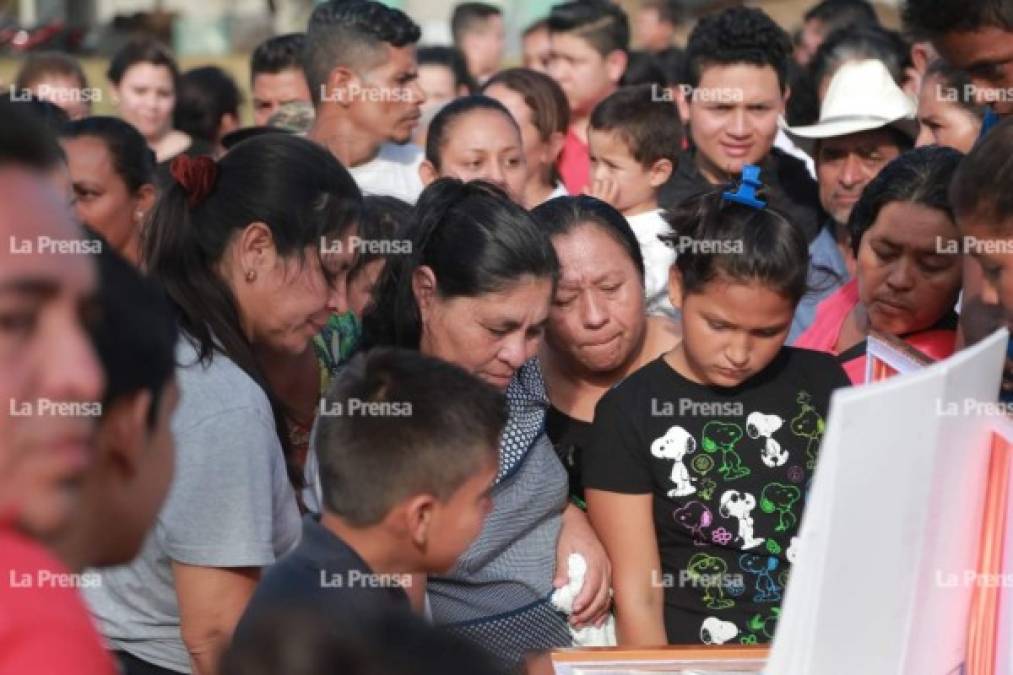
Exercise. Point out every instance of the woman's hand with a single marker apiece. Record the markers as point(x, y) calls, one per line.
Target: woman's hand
point(576, 536)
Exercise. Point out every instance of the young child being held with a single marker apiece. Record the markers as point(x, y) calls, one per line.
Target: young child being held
point(700, 462)
point(634, 140)
point(408, 447)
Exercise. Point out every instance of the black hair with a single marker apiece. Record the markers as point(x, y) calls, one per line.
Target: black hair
point(672, 62)
point(52, 116)
point(603, 24)
point(958, 84)
point(981, 186)
point(278, 54)
point(295, 639)
point(743, 244)
point(468, 15)
point(474, 238)
point(738, 35)
point(450, 58)
point(643, 68)
point(649, 127)
point(432, 428)
point(293, 185)
point(858, 44)
point(25, 140)
point(133, 160)
point(350, 34)
point(203, 97)
point(803, 107)
point(562, 215)
point(920, 176)
point(142, 50)
point(550, 112)
point(930, 19)
point(380, 219)
point(39, 65)
point(669, 11)
point(836, 14)
point(136, 333)
point(439, 128)
point(535, 26)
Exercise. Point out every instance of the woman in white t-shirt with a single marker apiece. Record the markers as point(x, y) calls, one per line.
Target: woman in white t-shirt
point(246, 249)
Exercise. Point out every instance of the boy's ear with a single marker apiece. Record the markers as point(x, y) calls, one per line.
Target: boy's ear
point(615, 65)
point(124, 429)
point(682, 95)
point(554, 146)
point(675, 287)
point(660, 172)
point(418, 512)
point(427, 172)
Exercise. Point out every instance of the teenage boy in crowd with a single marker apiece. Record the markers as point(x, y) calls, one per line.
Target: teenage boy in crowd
point(478, 32)
point(634, 141)
point(408, 450)
point(47, 299)
point(866, 121)
point(590, 49)
point(971, 35)
point(124, 487)
point(58, 78)
point(276, 75)
point(363, 77)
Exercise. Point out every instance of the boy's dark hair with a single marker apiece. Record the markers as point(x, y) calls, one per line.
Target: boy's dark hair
point(25, 140)
point(562, 215)
point(203, 96)
point(278, 54)
point(603, 24)
point(650, 128)
point(143, 50)
point(433, 426)
point(920, 176)
point(41, 64)
point(738, 35)
point(763, 245)
point(858, 44)
point(441, 124)
point(669, 11)
point(958, 83)
point(450, 58)
point(930, 19)
point(643, 68)
point(343, 33)
point(380, 219)
point(52, 116)
point(136, 334)
point(672, 62)
point(981, 185)
point(133, 160)
point(469, 15)
point(837, 14)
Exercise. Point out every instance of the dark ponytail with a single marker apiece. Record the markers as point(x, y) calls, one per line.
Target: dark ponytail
point(297, 188)
point(474, 238)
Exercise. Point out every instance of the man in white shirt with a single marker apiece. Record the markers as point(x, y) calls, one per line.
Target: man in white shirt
point(361, 68)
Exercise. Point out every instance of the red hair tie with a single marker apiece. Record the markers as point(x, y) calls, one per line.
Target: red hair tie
point(196, 175)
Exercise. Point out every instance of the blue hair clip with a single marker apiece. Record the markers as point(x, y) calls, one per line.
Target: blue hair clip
point(746, 193)
point(990, 120)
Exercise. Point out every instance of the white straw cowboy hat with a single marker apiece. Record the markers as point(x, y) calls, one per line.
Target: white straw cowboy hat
point(862, 96)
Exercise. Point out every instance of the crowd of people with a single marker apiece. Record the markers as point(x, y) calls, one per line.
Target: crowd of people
point(370, 385)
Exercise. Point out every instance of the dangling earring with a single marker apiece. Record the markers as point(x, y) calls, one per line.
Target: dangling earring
point(250, 275)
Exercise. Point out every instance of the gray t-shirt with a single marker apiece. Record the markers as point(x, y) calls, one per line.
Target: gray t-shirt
point(230, 505)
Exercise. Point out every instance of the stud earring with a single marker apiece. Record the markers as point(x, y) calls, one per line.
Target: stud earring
point(250, 275)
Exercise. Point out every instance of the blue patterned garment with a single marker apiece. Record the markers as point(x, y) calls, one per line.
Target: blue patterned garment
point(498, 593)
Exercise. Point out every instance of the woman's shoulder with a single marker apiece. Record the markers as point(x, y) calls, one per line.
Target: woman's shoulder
point(214, 385)
point(826, 327)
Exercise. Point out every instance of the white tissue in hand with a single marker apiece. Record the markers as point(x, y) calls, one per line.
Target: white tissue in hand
point(562, 599)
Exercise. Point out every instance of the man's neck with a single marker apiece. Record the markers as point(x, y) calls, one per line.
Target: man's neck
point(578, 127)
point(372, 544)
point(337, 133)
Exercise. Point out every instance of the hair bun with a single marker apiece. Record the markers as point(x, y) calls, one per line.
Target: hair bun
point(196, 175)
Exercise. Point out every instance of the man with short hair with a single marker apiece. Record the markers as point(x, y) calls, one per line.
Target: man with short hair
point(866, 121)
point(972, 35)
point(828, 16)
point(361, 68)
point(590, 50)
point(477, 28)
point(47, 366)
point(276, 75)
point(656, 24)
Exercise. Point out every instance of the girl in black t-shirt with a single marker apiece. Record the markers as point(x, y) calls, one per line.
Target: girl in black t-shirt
point(698, 465)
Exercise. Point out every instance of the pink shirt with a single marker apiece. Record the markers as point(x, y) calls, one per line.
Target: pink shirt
point(574, 164)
